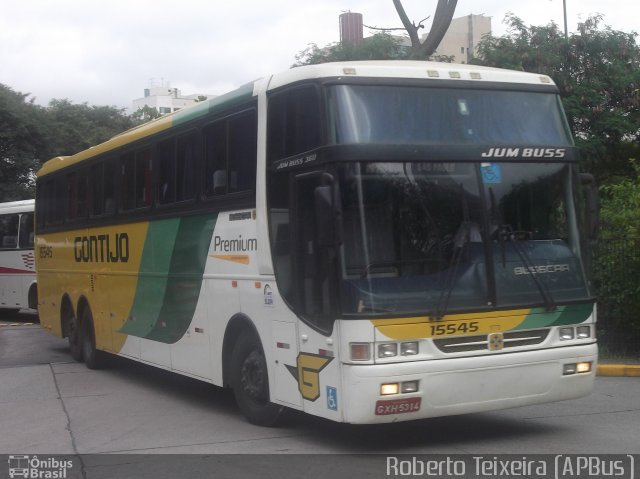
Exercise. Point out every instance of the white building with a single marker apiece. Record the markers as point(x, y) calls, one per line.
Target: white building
point(165, 99)
point(463, 36)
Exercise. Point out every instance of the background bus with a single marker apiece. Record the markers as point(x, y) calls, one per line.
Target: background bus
point(18, 288)
point(365, 242)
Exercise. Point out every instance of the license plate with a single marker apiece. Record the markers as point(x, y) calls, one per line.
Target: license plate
point(397, 406)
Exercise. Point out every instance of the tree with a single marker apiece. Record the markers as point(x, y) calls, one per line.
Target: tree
point(75, 127)
point(597, 71)
point(31, 134)
point(423, 50)
point(618, 263)
point(380, 46)
point(383, 46)
point(146, 113)
point(22, 144)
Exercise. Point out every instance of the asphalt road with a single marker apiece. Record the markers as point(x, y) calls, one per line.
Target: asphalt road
point(50, 404)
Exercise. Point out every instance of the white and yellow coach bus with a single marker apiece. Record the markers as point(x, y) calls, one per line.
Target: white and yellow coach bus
point(366, 242)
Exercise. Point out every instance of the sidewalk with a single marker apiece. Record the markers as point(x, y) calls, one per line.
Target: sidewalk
point(619, 368)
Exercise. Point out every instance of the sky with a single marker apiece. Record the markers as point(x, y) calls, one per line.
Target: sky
point(107, 53)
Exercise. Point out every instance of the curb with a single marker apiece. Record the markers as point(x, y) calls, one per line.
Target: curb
point(619, 370)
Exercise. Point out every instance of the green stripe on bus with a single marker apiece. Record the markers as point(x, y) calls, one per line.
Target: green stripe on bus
point(153, 277)
point(185, 278)
point(173, 261)
point(572, 314)
point(219, 103)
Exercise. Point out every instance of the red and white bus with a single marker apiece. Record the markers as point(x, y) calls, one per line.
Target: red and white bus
point(18, 288)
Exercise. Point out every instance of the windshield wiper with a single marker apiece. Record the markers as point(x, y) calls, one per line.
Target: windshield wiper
point(506, 231)
point(459, 242)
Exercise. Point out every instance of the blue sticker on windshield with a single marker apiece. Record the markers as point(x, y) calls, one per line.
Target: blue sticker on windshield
point(491, 173)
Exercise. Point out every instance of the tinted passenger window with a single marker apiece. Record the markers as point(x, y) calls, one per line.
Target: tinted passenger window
point(9, 231)
point(176, 178)
point(102, 180)
point(230, 149)
point(294, 122)
point(136, 180)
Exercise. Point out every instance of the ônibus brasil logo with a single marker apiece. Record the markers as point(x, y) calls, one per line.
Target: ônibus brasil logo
point(36, 468)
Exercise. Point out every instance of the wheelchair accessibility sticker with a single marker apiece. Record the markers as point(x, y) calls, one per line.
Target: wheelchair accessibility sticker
point(491, 173)
point(332, 398)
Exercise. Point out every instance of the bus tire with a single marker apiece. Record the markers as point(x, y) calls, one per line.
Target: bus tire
point(32, 297)
point(250, 381)
point(73, 336)
point(93, 358)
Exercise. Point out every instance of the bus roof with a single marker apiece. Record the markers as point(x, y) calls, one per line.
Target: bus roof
point(17, 206)
point(407, 69)
point(373, 69)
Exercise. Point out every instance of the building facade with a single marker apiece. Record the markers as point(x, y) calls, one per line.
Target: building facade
point(463, 36)
point(165, 99)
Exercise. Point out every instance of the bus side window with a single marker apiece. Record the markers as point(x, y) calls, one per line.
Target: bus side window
point(127, 182)
point(144, 192)
point(136, 180)
point(108, 199)
point(101, 198)
point(9, 231)
point(230, 154)
point(185, 167)
point(26, 230)
point(77, 195)
point(176, 176)
point(242, 148)
point(216, 159)
point(166, 173)
point(294, 122)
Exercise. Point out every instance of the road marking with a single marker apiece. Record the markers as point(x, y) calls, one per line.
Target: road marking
point(16, 324)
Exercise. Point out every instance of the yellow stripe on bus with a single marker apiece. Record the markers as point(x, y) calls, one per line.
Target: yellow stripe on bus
point(450, 325)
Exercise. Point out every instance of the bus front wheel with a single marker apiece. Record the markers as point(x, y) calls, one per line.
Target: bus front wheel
point(250, 382)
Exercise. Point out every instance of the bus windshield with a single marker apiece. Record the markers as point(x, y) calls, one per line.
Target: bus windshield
point(415, 115)
point(437, 237)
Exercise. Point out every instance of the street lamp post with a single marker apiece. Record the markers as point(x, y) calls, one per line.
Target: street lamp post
point(566, 31)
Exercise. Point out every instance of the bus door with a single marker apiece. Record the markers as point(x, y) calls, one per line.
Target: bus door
point(315, 240)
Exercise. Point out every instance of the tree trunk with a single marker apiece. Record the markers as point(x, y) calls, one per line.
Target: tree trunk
point(441, 21)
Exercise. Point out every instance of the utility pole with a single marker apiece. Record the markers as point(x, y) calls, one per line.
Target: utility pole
point(566, 31)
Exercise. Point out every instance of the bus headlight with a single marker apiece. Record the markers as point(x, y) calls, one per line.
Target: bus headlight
point(566, 333)
point(409, 349)
point(583, 332)
point(387, 350)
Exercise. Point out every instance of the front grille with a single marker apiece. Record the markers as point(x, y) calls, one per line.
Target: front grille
point(512, 339)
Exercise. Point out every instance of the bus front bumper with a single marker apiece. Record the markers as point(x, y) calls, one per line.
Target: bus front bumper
point(465, 385)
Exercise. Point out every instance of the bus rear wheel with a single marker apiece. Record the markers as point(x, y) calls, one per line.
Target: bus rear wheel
point(250, 382)
point(93, 358)
point(74, 339)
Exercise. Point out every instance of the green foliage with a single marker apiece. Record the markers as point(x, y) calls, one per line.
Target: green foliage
point(73, 128)
point(21, 144)
point(147, 113)
point(618, 264)
point(30, 135)
point(597, 71)
point(620, 207)
point(380, 46)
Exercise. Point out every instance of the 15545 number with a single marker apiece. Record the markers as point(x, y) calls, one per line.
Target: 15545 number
point(451, 329)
